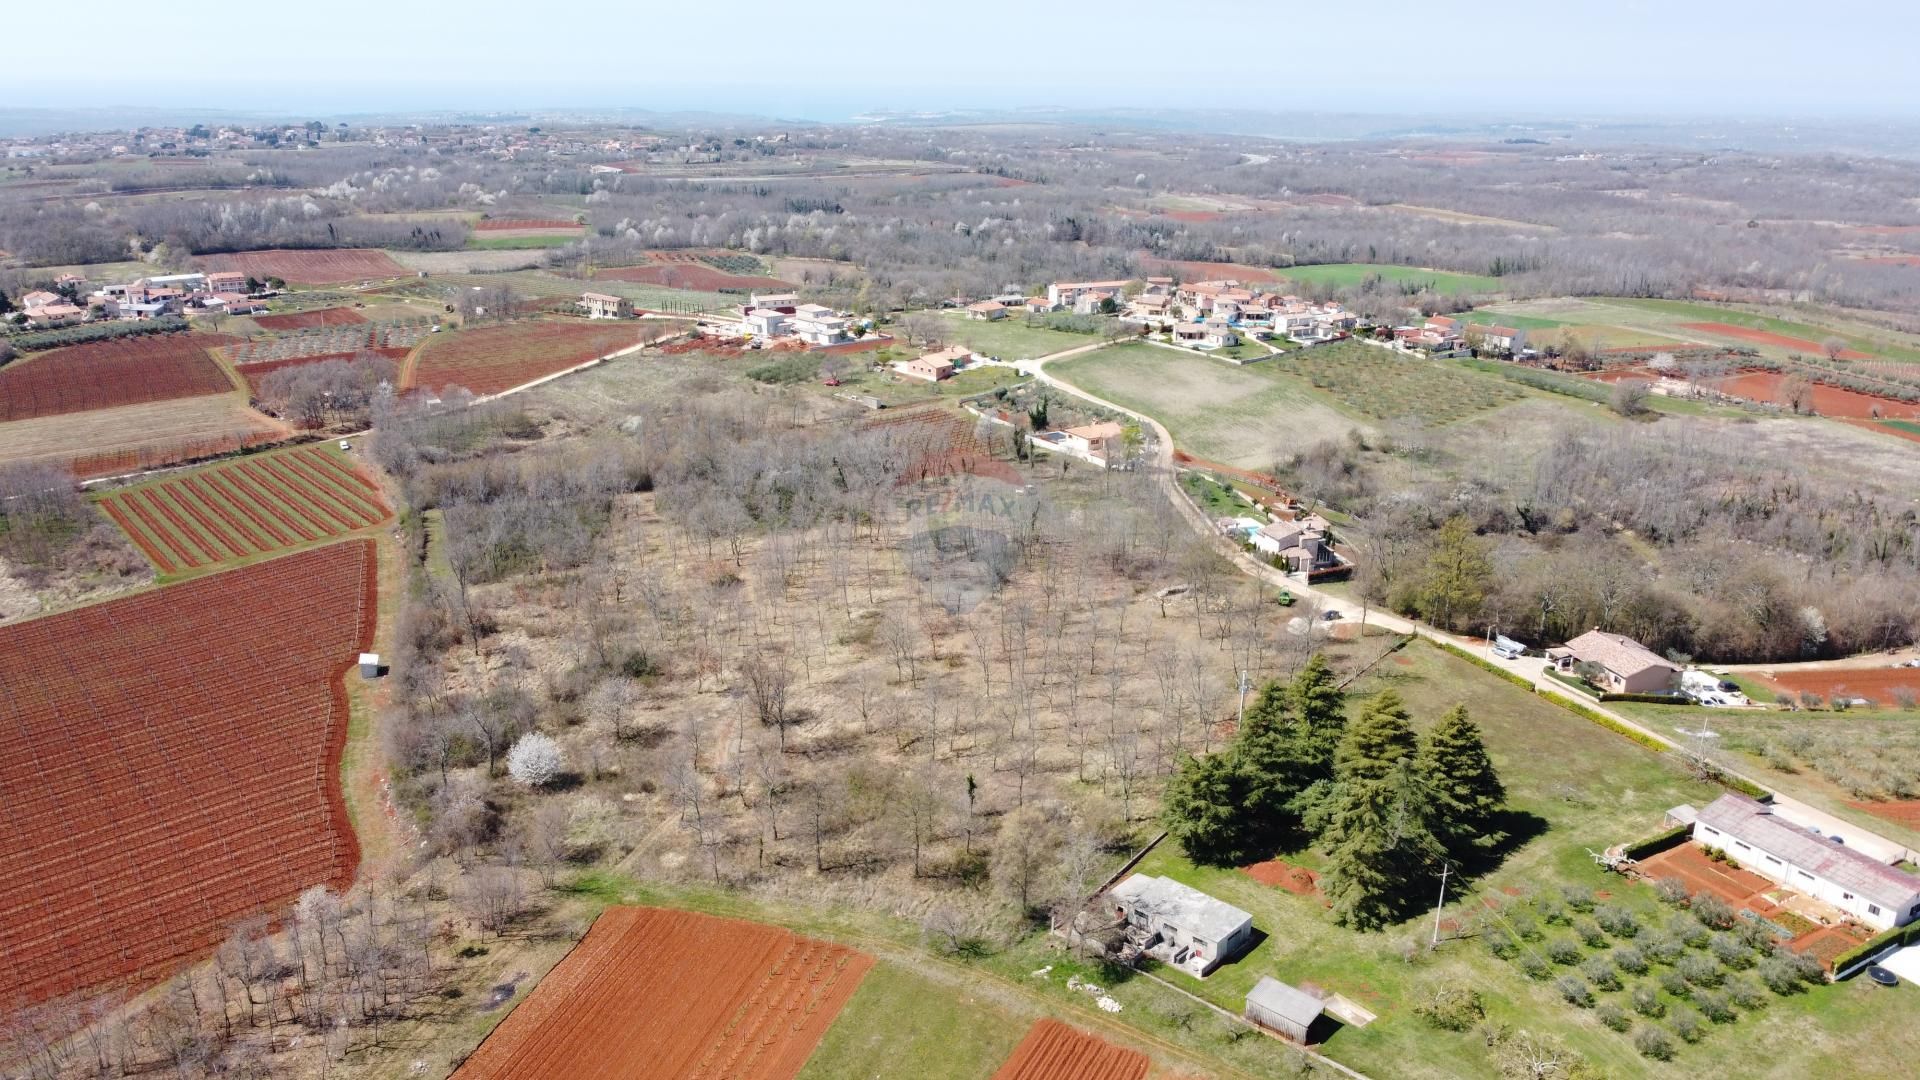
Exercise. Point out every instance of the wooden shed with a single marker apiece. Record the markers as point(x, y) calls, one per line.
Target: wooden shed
point(1285, 1009)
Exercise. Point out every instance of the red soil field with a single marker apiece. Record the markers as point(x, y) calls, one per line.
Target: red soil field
point(254, 372)
point(658, 993)
point(680, 275)
point(1762, 337)
point(250, 506)
point(335, 266)
point(490, 359)
point(1899, 811)
point(103, 374)
point(941, 442)
point(302, 320)
point(502, 224)
point(1827, 400)
point(1875, 684)
point(1190, 270)
point(1054, 1051)
point(1280, 874)
point(171, 763)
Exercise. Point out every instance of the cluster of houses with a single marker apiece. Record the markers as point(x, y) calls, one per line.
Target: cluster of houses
point(1442, 333)
point(1203, 314)
point(222, 292)
point(771, 317)
point(1299, 545)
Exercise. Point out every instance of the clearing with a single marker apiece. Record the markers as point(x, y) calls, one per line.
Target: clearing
point(1010, 339)
point(108, 442)
point(185, 776)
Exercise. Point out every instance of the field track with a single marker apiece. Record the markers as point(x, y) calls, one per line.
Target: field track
point(1054, 1051)
point(108, 374)
point(171, 763)
point(245, 507)
point(658, 993)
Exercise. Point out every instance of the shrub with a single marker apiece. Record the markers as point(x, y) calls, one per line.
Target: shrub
point(1714, 912)
point(1715, 1006)
point(1731, 951)
point(1452, 1007)
point(1575, 990)
point(1671, 890)
point(1599, 971)
point(1533, 967)
point(797, 369)
point(535, 760)
point(1617, 921)
point(1700, 971)
point(1524, 925)
point(1686, 1024)
point(1630, 960)
point(1653, 1042)
point(1552, 911)
point(1646, 1001)
point(1675, 983)
point(1613, 1016)
point(1746, 992)
point(1563, 950)
point(1500, 943)
point(1689, 930)
point(1577, 897)
point(1590, 933)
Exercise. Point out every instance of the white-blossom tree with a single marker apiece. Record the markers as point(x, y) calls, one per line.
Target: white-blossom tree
point(535, 760)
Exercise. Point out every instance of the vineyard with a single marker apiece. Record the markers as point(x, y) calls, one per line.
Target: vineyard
point(651, 992)
point(1054, 1051)
point(251, 506)
point(304, 320)
point(171, 765)
point(490, 359)
point(310, 267)
point(105, 374)
point(333, 340)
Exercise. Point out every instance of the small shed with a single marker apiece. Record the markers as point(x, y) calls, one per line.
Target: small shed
point(369, 665)
point(1278, 1007)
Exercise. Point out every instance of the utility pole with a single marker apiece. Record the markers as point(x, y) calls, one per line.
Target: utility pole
point(1244, 684)
point(1445, 868)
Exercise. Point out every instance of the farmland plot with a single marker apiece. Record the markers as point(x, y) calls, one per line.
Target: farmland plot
point(171, 764)
point(1054, 1051)
point(302, 320)
point(335, 266)
point(490, 359)
point(237, 510)
point(106, 374)
point(652, 992)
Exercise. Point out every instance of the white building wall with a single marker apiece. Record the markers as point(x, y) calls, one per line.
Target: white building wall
point(1799, 879)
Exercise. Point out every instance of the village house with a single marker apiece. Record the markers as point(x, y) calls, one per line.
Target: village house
point(987, 310)
point(44, 308)
point(784, 303)
point(1098, 442)
point(1038, 305)
point(1625, 666)
point(816, 324)
point(934, 366)
point(1302, 546)
point(1180, 925)
point(765, 322)
point(1824, 867)
point(1083, 296)
point(1149, 308)
point(226, 281)
point(1212, 334)
point(605, 306)
point(1504, 339)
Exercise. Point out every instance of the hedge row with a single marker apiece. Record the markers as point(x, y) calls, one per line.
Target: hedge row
point(101, 331)
point(1650, 699)
point(1658, 842)
point(1899, 935)
point(1611, 724)
point(1482, 662)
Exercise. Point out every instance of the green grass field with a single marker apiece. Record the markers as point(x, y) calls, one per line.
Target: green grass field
point(1011, 339)
point(478, 242)
point(1349, 274)
point(1590, 788)
point(901, 1023)
point(1382, 385)
point(1242, 416)
point(1902, 425)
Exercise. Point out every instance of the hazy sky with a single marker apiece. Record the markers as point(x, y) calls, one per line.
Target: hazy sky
point(825, 60)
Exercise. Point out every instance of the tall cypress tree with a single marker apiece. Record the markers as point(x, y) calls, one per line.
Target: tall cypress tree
point(1320, 713)
point(1378, 818)
point(1468, 790)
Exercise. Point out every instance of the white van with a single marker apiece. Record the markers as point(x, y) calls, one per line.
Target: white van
point(1508, 649)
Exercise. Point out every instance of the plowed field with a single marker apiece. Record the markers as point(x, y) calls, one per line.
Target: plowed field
point(254, 373)
point(107, 374)
point(1763, 337)
point(171, 763)
point(1875, 684)
point(490, 359)
point(310, 267)
point(302, 320)
point(238, 509)
point(662, 994)
point(1827, 400)
point(1054, 1051)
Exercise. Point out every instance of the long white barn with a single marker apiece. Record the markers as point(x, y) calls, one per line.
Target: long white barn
point(1820, 866)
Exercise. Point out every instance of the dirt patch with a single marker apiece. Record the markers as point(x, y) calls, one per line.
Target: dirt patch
point(107, 442)
point(1877, 685)
point(1278, 873)
point(1832, 401)
point(1899, 811)
point(303, 320)
point(185, 776)
point(1054, 1051)
point(626, 1002)
point(1762, 337)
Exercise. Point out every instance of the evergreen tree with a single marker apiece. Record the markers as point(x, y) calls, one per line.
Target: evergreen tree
point(1379, 815)
point(1469, 793)
point(1320, 713)
point(1202, 809)
point(1453, 585)
point(1237, 805)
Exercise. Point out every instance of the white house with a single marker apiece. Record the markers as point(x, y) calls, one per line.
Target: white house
point(1500, 338)
point(1069, 294)
point(988, 310)
point(1180, 925)
point(1821, 866)
point(765, 322)
point(605, 306)
point(819, 325)
point(1098, 443)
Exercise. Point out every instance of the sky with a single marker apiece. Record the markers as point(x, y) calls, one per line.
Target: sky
point(831, 59)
